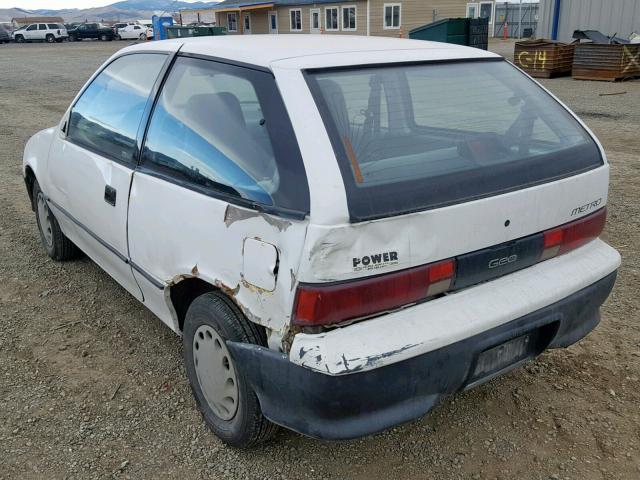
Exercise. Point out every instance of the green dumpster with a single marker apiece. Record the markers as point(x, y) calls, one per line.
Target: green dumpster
point(461, 31)
point(177, 31)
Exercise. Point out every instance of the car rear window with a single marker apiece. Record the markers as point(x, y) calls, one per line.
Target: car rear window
point(415, 137)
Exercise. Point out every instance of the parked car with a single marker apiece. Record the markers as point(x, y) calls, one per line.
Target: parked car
point(135, 32)
point(91, 31)
point(117, 26)
point(44, 32)
point(341, 228)
point(5, 36)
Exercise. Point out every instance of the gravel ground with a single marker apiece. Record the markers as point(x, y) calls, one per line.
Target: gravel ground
point(92, 384)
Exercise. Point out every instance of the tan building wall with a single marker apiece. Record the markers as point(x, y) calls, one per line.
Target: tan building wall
point(413, 13)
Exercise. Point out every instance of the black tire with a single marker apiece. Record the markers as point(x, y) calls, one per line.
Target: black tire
point(73, 38)
point(104, 37)
point(118, 37)
point(143, 37)
point(50, 38)
point(60, 248)
point(248, 426)
point(19, 39)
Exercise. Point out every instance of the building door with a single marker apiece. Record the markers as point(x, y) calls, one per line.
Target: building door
point(472, 10)
point(273, 22)
point(315, 20)
point(487, 11)
point(247, 24)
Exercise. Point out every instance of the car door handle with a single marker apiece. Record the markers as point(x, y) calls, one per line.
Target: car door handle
point(110, 195)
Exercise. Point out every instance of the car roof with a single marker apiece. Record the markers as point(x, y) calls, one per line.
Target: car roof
point(315, 50)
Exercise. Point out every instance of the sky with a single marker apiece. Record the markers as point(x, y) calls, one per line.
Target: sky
point(59, 4)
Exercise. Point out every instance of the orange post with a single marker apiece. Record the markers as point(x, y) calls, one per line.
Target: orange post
point(505, 33)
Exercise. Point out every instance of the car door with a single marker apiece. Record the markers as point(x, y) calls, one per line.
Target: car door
point(31, 32)
point(220, 192)
point(42, 31)
point(91, 161)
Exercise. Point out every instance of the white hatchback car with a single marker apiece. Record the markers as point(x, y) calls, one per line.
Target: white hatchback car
point(135, 32)
point(343, 229)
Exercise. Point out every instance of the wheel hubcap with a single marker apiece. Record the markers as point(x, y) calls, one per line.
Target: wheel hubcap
point(45, 220)
point(215, 371)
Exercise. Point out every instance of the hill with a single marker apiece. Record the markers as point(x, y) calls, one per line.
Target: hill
point(123, 10)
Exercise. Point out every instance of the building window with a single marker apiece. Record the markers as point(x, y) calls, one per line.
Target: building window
point(331, 18)
point(232, 22)
point(392, 14)
point(295, 17)
point(349, 18)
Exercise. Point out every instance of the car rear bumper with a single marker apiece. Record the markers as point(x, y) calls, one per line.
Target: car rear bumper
point(427, 326)
point(348, 406)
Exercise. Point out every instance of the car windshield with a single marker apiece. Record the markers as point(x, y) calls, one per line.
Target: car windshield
point(415, 137)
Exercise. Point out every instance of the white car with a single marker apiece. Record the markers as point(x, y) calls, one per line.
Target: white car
point(342, 229)
point(45, 32)
point(135, 32)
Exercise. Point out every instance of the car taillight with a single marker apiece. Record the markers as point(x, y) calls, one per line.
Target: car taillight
point(573, 235)
point(338, 302)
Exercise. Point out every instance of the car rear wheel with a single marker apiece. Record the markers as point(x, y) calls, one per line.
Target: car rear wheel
point(50, 38)
point(228, 404)
point(57, 245)
point(19, 39)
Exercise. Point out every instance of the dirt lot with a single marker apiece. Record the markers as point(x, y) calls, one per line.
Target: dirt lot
point(92, 384)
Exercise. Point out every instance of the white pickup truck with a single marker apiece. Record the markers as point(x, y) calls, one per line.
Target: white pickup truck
point(342, 229)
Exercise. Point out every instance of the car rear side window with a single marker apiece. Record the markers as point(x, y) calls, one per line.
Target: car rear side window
point(415, 137)
point(105, 119)
point(224, 129)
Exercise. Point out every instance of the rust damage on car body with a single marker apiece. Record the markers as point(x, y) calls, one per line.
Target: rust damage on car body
point(234, 214)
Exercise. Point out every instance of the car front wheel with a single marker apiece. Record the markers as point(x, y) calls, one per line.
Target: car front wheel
point(57, 245)
point(143, 37)
point(228, 404)
point(19, 39)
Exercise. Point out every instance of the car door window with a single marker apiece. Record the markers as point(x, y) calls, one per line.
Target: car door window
point(224, 129)
point(106, 117)
point(31, 28)
point(42, 26)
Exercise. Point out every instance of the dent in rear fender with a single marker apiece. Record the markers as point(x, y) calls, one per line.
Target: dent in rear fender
point(204, 237)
